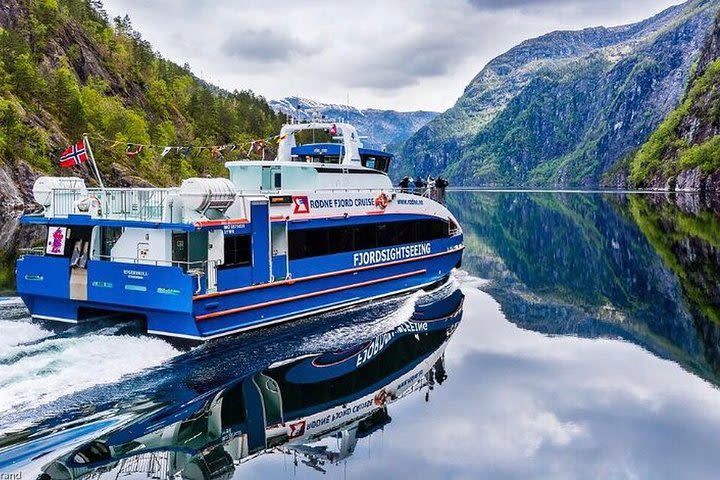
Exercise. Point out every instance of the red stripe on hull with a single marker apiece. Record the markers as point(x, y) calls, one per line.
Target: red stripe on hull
point(246, 308)
point(225, 221)
point(323, 275)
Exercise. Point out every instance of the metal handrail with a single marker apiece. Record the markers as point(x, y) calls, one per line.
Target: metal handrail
point(198, 264)
point(133, 203)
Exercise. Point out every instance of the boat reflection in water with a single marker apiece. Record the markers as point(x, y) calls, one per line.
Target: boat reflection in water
point(292, 407)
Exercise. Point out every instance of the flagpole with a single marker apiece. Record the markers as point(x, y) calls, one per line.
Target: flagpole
point(92, 159)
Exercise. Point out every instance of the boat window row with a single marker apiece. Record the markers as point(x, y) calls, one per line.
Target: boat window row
point(317, 242)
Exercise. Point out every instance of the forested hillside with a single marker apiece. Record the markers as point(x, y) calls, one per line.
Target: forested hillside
point(66, 68)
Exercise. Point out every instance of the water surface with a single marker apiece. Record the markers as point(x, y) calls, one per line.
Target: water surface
point(585, 344)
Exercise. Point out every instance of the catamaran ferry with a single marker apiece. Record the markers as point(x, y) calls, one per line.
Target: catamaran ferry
point(316, 229)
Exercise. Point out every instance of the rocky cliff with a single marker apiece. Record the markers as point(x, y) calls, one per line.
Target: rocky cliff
point(562, 109)
point(684, 152)
point(383, 128)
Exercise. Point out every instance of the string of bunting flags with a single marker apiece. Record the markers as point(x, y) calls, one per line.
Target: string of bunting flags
point(133, 149)
point(80, 152)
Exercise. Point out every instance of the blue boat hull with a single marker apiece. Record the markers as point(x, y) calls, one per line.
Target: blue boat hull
point(166, 296)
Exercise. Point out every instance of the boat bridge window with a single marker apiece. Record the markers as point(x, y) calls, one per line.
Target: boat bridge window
point(327, 153)
point(332, 159)
point(376, 162)
point(238, 251)
point(316, 242)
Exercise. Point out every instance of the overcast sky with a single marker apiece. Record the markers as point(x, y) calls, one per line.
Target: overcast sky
point(403, 55)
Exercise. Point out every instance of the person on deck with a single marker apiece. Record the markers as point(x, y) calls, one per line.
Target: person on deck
point(431, 187)
point(440, 185)
point(405, 184)
point(419, 186)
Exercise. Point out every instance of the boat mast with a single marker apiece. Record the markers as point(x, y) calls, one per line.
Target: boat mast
point(92, 160)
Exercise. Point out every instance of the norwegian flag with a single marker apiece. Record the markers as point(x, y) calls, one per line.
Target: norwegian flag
point(74, 155)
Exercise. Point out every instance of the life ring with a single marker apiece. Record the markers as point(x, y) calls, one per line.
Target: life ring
point(380, 398)
point(382, 201)
point(84, 204)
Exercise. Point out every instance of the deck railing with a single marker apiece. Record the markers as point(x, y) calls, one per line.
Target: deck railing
point(145, 204)
point(198, 268)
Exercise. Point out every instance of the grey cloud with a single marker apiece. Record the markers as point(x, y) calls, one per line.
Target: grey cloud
point(506, 4)
point(405, 64)
point(588, 8)
point(398, 54)
point(263, 46)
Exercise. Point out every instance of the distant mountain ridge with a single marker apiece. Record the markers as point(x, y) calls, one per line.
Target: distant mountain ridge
point(384, 128)
point(563, 108)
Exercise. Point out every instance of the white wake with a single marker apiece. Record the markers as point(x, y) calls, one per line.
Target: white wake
point(38, 373)
point(13, 333)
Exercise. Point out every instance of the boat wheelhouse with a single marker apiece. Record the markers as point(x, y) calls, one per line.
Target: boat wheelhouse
point(318, 228)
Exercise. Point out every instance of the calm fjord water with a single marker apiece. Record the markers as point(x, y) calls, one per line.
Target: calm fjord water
point(588, 347)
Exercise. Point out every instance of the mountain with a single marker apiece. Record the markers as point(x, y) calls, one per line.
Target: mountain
point(384, 128)
point(66, 68)
point(563, 108)
point(684, 152)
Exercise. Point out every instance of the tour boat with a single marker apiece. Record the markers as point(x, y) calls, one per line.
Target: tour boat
point(318, 228)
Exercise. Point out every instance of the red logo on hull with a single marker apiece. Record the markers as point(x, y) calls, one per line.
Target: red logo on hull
point(297, 429)
point(302, 205)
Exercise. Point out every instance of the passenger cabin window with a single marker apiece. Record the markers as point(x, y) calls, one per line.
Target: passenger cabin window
point(109, 236)
point(271, 178)
point(316, 242)
point(376, 162)
point(238, 251)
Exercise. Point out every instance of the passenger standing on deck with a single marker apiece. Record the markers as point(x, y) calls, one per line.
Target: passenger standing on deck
point(419, 186)
point(405, 184)
point(440, 185)
point(431, 187)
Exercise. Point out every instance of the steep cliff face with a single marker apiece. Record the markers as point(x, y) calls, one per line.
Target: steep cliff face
point(563, 108)
point(383, 128)
point(684, 152)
